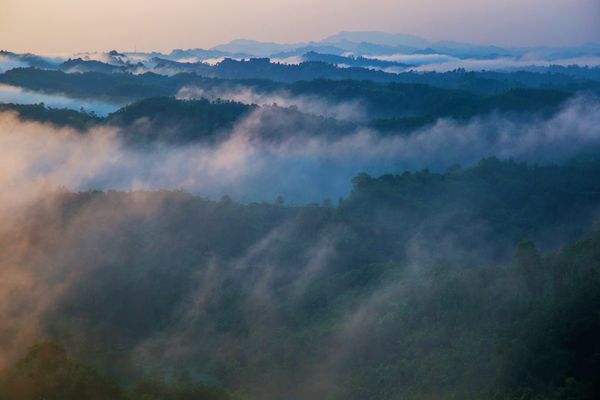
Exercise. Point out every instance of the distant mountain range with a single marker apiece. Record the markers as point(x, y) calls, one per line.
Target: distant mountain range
point(390, 53)
point(374, 43)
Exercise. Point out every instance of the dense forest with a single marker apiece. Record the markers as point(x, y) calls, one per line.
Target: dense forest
point(419, 285)
point(331, 220)
point(127, 85)
point(393, 108)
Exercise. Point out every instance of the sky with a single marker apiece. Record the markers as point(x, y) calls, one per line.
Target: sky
point(68, 26)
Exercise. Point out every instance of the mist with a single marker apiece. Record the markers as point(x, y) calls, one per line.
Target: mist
point(446, 63)
point(14, 94)
point(345, 110)
point(156, 283)
point(300, 200)
point(251, 167)
point(506, 64)
point(7, 63)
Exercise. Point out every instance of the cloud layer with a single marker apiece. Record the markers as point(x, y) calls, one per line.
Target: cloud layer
point(302, 166)
point(17, 95)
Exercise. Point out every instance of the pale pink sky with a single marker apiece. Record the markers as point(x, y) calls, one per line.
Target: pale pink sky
point(66, 26)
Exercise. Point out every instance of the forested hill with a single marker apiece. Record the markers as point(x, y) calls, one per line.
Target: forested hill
point(488, 203)
point(327, 223)
point(127, 85)
point(390, 109)
point(416, 286)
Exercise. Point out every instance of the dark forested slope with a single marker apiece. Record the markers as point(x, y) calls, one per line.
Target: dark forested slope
point(420, 285)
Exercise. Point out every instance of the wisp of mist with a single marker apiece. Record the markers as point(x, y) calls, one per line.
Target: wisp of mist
point(248, 167)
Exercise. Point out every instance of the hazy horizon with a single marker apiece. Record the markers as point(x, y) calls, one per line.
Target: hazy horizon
point(72, 26)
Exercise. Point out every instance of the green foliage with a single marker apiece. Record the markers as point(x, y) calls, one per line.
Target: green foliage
point(171, 120)
point(47, 372)
point(400, 102)
point(423, 285)
point(498, 203)
point(57, 117)
point(416, 286)
point(89, 84)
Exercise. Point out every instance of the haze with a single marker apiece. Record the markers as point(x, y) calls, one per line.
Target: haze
point(67, 26)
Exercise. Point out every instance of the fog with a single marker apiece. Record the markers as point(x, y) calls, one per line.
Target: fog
point(123, 276)
point(17, 95)
point(445, 63)
point(7, 63)
point(250, 167)
point(345, 110)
